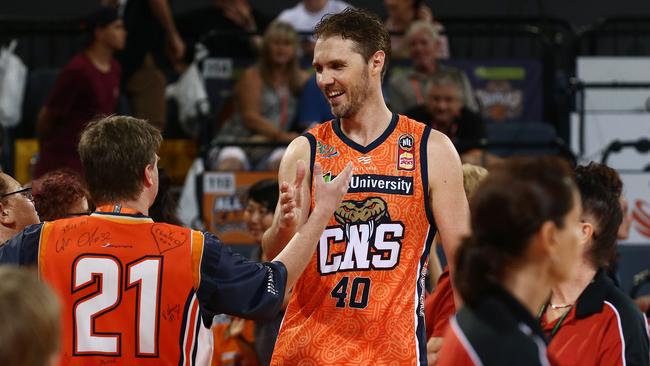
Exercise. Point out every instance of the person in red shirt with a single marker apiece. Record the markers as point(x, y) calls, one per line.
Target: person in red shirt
point(525, 227)
point(87, 87)
point(589, 320)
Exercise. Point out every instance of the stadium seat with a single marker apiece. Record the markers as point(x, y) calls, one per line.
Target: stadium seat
point(522, 138)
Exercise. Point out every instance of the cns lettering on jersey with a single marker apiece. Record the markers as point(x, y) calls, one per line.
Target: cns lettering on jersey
point(364, 239)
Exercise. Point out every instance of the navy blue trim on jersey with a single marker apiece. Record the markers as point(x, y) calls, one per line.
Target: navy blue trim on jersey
point(184, 324)
point(23, 248)
point(312, 150)
point(336, 126)
point(421, 332)
point(424, 172)
point(195, 344)
point(424, 176)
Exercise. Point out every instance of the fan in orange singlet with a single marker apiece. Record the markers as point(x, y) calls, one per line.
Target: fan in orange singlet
point(137, 292)
point(360, 300)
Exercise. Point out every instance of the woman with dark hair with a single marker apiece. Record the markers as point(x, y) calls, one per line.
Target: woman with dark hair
point(524, 221)
point(60, 194)
point(258, 214)
point(588, 302)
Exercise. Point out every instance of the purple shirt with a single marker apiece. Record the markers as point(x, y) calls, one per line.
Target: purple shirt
point(81, 93)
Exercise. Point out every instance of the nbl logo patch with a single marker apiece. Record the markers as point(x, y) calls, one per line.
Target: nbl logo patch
point(405, 152)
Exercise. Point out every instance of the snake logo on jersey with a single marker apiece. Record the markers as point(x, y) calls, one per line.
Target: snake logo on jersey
point(365, 239)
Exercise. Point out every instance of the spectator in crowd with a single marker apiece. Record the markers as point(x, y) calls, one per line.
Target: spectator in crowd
point(154, 305)
point(524, 239)
point(443, 110)
point(304, 16)
point(60, 194)
point(236, 27)
point(16, 207)
point(400, 15)
point(407, 89)
point(588, 302)
point(266, 95)
point(86, 87)
point(30, 318)
point(262, 200)
point(147, 22)
point(242, 341)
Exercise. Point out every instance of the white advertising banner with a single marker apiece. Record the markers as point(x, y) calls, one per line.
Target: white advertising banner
point(636, 188)
point(602, 128)
point(615, 69)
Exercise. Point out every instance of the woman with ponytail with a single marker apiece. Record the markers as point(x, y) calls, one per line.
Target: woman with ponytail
point(525, 226)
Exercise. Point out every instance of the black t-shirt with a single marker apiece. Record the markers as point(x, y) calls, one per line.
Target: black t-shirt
point(229, 39)
point(144, 34)
point(466, 131)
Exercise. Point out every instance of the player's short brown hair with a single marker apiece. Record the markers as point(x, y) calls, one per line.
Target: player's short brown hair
point(114, 152)
point(360, 26)
point(30, 318)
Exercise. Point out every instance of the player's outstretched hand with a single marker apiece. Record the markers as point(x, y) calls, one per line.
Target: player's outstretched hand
point(328, 196)
point(291, 199)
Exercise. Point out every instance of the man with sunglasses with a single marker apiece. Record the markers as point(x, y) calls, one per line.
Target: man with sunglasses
point(16, 207)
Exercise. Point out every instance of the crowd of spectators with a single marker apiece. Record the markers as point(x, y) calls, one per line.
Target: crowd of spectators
point(273, 101)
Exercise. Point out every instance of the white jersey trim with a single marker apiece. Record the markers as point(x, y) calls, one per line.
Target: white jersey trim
point(620, 331)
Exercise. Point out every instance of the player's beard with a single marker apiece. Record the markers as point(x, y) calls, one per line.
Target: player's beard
point(357, 95)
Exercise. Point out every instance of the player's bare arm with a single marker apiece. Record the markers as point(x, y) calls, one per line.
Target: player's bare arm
point(294, 200)
point(448, 200)
point(297, 253)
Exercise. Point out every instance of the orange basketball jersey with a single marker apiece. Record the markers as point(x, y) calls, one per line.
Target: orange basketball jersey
point(127, 290)
point(360, 300)
point(136, 292)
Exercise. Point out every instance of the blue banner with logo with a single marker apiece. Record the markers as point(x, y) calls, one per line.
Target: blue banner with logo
point(507, 90)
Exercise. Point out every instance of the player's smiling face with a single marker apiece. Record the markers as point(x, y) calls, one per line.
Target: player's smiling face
point(341, 74)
